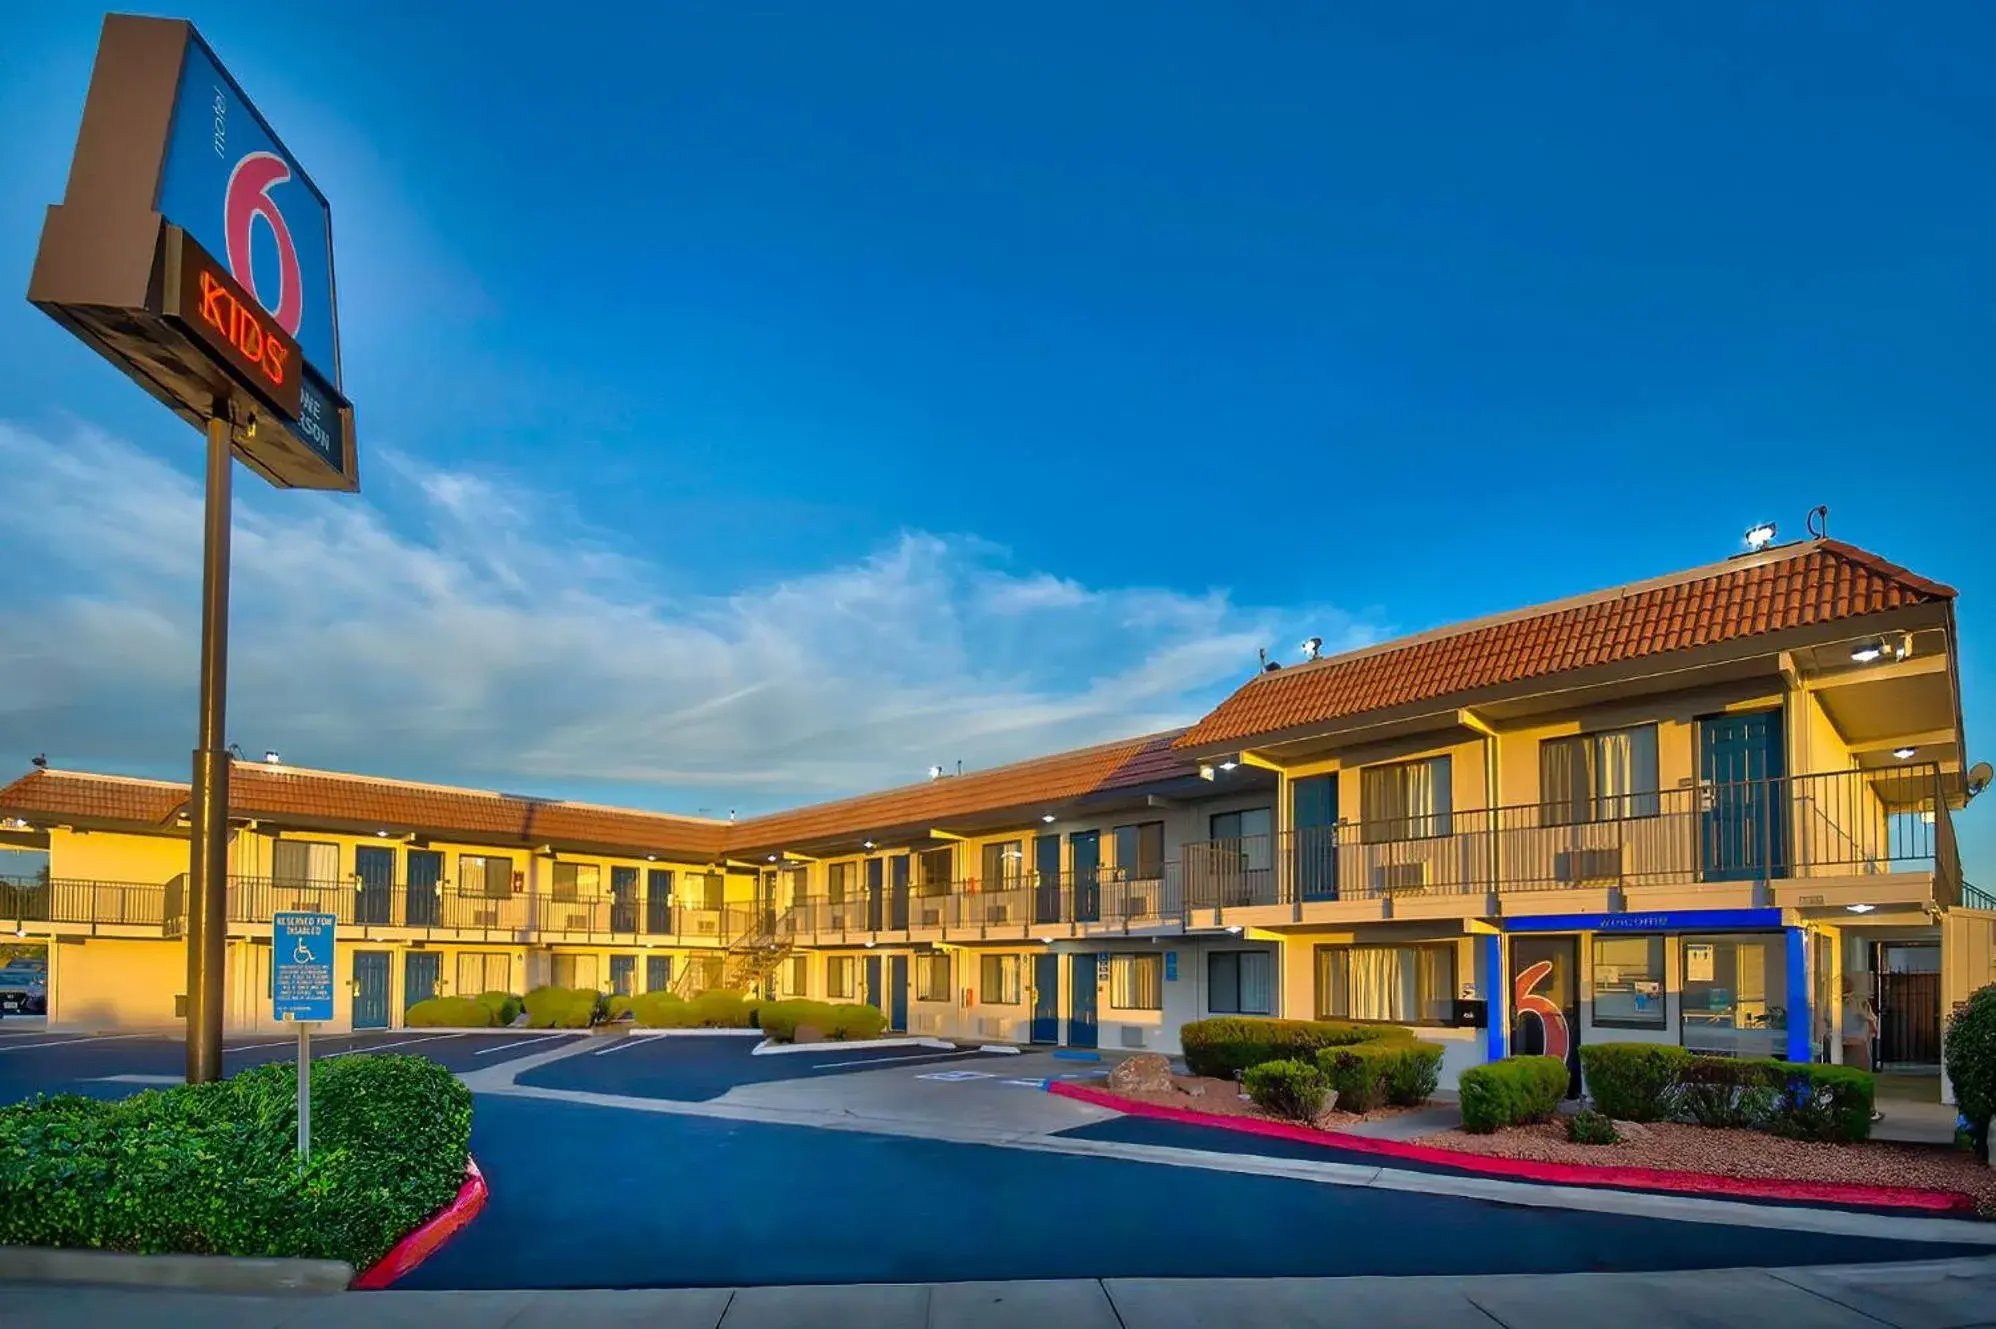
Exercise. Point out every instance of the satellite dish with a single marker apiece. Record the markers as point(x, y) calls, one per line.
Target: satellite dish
point(1979, 776)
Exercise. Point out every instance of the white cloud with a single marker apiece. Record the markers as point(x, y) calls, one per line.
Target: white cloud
point(498, 642)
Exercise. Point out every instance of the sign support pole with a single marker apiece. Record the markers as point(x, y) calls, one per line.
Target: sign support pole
point(207, 877)
point(304, 1093)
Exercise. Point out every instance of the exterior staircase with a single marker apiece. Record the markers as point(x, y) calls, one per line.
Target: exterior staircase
point(750, 961)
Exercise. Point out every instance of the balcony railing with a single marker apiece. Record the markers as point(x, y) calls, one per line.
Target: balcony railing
point(1843, 823)
point(120, 904)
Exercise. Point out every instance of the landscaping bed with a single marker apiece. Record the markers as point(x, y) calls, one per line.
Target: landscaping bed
point(1224, 1098)
point(1726, 1152)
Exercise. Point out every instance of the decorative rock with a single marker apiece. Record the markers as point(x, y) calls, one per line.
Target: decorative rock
point(1145, 1073)
point(807, 1033)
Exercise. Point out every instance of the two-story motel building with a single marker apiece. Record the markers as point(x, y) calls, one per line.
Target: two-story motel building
point(1712, 809)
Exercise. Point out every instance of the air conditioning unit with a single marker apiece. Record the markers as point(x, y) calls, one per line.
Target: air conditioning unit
point(578, 922)
point(838, 922)
point(1137, 906)
point(1390, 877)
point(997, 912)
point(931, 918)
point(1135, 1036)
point(1579, 865)
point(708, 925)
point(991, 1027)
point(925, 1023)
point(485, 918)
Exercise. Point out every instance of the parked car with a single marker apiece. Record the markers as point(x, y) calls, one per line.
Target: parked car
point(24, 989)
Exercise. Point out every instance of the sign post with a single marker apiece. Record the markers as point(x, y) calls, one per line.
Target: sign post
point(193, 252)
point(301, 989)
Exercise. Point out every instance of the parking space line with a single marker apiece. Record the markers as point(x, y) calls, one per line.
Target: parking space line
point(523, 1043)
point(376, 1047)
point(891, 1061)
point(621, 1045)
point(251, 1047)
point(66, 1042)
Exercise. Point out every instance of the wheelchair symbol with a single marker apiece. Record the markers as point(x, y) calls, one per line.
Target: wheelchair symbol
point(302, 954)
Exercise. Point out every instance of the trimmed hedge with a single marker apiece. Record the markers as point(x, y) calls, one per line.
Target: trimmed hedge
point(722, 1009)
point(1366, 1075)
point(212, 1169)
point(779, 1019)
point(505, 1007)
point(449, 1013)
point(1970, 1052)
point(1293, 1090)
point(1741, 1093)
point(1226, 1045)
point(1820, 1102)
point(1511, 1092)
point(565, 1008)
point(662, 1010)
point(1632, 1081)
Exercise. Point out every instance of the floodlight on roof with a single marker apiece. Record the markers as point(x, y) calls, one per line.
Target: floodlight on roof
point(1760, 536)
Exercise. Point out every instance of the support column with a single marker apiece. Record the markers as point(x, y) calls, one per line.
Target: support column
point(1497, 1036)
point(1800, 1024)
point(208, 857)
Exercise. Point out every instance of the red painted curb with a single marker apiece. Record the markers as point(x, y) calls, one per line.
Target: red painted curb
point(426, 1240)
point(1566, 1174)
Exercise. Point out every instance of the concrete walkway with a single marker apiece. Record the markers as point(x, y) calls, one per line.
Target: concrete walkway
point(1929, 1295)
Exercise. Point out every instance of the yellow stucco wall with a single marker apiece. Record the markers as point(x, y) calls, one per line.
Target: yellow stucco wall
point(114, 856)
point(116, 983)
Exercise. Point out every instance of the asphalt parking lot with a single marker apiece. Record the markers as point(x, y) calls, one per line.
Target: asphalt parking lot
point(704, 1067)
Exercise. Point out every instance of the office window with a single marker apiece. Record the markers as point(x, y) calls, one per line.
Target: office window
point(304, 863)
point(1735, 995)
point(798, 982)
point(1240, 983)
point(1004, 866)
point(576, 881)
point(841, 976)
point(576, 971)
point(932, 977)
point(838, 881)
point(485, 875)
point(1409, 800)
point(1395, 984)
point(1607, 776)
point(1140, 851)
point(932, 872)
point(623, 975)
point(1246, 825)
point(1136, 982)
point(1628, 982)
point(483, 971)
point(998, 980)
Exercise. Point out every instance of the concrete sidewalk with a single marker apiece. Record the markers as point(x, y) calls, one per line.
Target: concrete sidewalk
point(1943, 1294)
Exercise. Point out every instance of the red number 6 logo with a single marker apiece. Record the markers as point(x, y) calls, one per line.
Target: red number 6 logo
point(1551, 1018)
point(248, 199)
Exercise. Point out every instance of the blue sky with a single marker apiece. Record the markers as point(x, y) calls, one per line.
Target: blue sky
point(760, 402)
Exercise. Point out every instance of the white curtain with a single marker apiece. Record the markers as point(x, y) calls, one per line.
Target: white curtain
point(1626, 774)
point(1382, 984)
point(1257, 987)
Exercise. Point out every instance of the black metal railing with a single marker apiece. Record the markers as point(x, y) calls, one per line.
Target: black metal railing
point(123, 904)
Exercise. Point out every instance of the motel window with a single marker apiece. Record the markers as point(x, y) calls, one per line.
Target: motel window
point(576, 971)
point(932, 977)
point(304, 863)
point(841, 973)
point(799, 882)
point(623, 975)
point(1628, 982)
point(658, 973)
point(1004, 865)
point(1735, 994)
point(576, 881)
point(838, 880)
point(485, 875)
point(1607, 776)
point(798, 980)
point(1409, 800)
point(1140, 851)
point(713, 890)
point(1136, 982)
point(1240, 983)
point(1393, 984)
point(998, 980)
point(932, 872)
point(483, 971)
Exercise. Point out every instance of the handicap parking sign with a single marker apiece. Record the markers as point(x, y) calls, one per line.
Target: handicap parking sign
point(301, 957)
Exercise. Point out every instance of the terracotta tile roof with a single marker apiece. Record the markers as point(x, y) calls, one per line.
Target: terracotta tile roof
point(1041, 782)
point(79, 796)
point(1797, 586)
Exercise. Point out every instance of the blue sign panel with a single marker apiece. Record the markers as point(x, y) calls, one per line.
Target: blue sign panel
point(231, 185)
point(1171, 966)
point(1668, 920)
point(301, 957)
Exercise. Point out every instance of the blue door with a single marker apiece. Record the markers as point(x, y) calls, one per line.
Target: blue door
point(1081, 1001)
point(899, 917)
point(1046, 998)
point(658, 973)
point(624, 900)
point(425, 870)
point(1046, 874)
point(1313, 849)
point(419, 977)
point(897, 992)
point(1084, 850)
point(873, 982)
point(876, 877)
point(1743, 798)
point(658, 907)
point(623, 975)
point(375, 866)
point(370, 989)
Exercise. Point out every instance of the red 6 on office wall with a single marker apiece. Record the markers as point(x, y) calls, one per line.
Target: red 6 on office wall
point(1529, 1001)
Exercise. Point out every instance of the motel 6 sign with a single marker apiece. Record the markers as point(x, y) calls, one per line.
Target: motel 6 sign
point(193, 252)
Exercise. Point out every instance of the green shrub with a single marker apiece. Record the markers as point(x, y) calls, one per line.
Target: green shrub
point(449, 1013)
point(1367, 1075)
point(1632, 1081)
point(620, 1006)
point(856, 1021)
point(1969, 1049)
point(1292, 1090)
point(1734, 1092)
point(663, 1010)
point(505, 1007)
point(565, 1008)
point(722, 1009)
point(1511, 1092)
point(1588, 1126)
point(1226, 1045)
point(1818, 1102)
point(779, 1019)
point(1413, 1073)
point(213, 1168)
